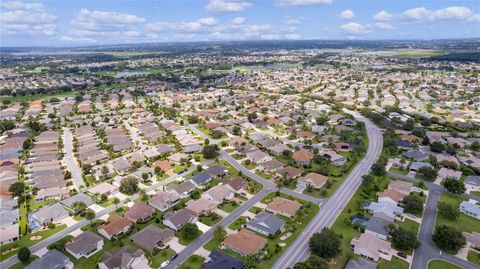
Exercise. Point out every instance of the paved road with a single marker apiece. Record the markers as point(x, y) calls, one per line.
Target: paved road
point(72, 164)
point(44, 243)
point(427, 250)
point(299, 250)
point(134, 134)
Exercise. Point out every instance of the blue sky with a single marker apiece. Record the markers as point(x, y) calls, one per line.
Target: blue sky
point(96, 22)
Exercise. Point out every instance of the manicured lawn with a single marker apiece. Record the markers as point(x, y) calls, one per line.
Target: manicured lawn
point(180, 168)
point(473, 257)
point(163, 255)
point(475, 193)
point(398, 171)
point(107, 203)
point(463, 223)
point(409, 225)
point(212, 244)
point(238, 223)
point(264, 175)
point(193, 262)
point(395, 263)
point(210, 219)
point(228, 207)
point(22, 265)
point(255, 209)
point(9, 250)
point(436, 264)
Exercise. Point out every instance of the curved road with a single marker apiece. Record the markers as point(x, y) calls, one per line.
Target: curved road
point(299, 250)
point(427, 250)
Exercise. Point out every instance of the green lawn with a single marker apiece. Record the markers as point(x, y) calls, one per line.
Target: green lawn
point(409, 225)
point(8, 250)
point(463, 223)
point(264, 175)
point(398, 171)
point(255, 210)
point(395, 263)
point(22, 265)
point(193, 262)
point(436, 264)
point(238, 223)
point(163, 255)
point(210, 219)
point(228, 207)
point(474, 257)
point(212, 244)
point(475, 193)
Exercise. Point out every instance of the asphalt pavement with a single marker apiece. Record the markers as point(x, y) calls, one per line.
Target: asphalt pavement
point(70, 161)
point(299, 250)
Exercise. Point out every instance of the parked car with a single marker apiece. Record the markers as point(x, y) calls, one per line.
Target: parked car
point(401, 254)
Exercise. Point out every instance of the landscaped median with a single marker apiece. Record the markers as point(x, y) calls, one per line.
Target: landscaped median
point(276, 244)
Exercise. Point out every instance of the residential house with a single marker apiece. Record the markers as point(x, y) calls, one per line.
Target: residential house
point(116, 226)
point(417, 165)
point(46, 215)
point(385, 207)
point(152, 237)
point(302, 157)
point(219, 194)
point(391, 196)
point(183, 189)
point(360, 263)
point(54, 193)
point(445, 173)
point(472, 183)
point(271, 166)
point(289, 172)
point(181, 217)
point(201, 179)
point(164, 200)
point(283, 206)
point(122, 258)
point(245, 242)
point(216, 171)
point(370, 246)
point(140, 212)
point(236, 185)
point(378, 227)
point(401, 186)
point(220, 260)
point(201, 206)
point(84, 245)
point(471, 209)
point(52, 259)
point(258, 156)
point(103, 188)
point(266, 224)
point(313, 179)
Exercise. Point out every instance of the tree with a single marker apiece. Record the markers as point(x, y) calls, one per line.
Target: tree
point(403, 239)
point(378, 168)
point(436, 147)
point(413, 204)
point(216, 134)
point(129, 185)
point(17, 189)
point(116, 201)
point(325, 244)
point(104, 170)
point(78, 207)
point(313, 262)
point(236, 130)
point(252, 116)
point(448, 238)
point(219, 233)
point(427, 172)
point(367, 180)
point(189, 231)
point(454, 186)
point(23, 254)
point(90, 215)
point(211, 151)
point(448, 211)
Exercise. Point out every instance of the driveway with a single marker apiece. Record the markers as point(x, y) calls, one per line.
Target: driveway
point(70, 160)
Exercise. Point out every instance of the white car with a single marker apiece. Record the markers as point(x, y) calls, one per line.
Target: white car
point(165, 264)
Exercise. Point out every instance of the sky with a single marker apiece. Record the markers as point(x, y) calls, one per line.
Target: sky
point(103, 22)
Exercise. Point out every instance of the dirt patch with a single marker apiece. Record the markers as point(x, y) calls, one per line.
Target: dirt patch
point(35, 238)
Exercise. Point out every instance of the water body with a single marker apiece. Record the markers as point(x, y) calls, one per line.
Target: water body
point(125, 74)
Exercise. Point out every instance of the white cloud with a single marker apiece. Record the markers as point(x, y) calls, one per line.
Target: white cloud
point(354, 28)
point(384, 26)
point(26, 18)
point(90, 26)
point(475, 18)
point(382, 16)
point(208, 21)
point(347, 14)
point(16, 5)
point(288, 3)
point(291, 21)
point(238, 20)
point(227, 6)
point(422, 14)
